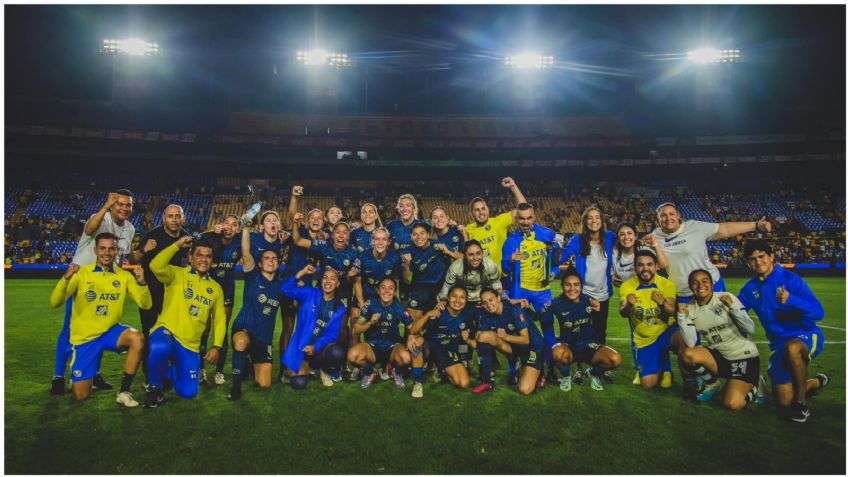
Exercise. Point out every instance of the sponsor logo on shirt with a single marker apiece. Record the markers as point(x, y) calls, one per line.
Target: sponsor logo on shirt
point(194, 310)
point(188, 293)
point(102, 310)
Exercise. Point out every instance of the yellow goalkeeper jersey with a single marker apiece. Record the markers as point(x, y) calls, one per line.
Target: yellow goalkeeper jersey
point(645, 316)
point(491, 236)
point(190, 300)
point(99, 296)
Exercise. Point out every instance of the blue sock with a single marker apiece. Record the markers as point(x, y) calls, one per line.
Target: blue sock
point(484, 352)
point(238, 367)
point(418, 375)
point(597, 370)
point(368, 369)
point(512, 364)
point(565, 370)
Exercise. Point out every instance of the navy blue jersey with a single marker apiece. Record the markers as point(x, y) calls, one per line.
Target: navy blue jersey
point(401, 234)
point(575, 322)
point(360, 239)
point(445, 331)
point(387, 331)
point(340, 261)
point(427, 266)
point(298, 257)
point(261, 299)
point(372, 271)
point(225, 258)
point(453, 239)
point(512, 320)
point(258, 245)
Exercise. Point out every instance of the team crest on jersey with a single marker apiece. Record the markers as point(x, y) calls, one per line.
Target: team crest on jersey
point(235, 255)
point(116, 284)
point(188, 293)
point(346, 262)
point(413, 303)
point(194, 310)
point(455, 239)
point(525, 255)
point(389, 315)
point(718, 310)
point(262, 298)
point(102, 310)
point(90, 295)
point(208, 291)
point(487, 227)
point(462, 326)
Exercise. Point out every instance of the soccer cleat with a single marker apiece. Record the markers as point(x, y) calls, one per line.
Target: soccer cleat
point(367, 380)
point(326, 379)
point(552, 377)
point(799, 412)
point(578, 377)
point(607, 377)
point(761, 391)
point(151, 397)
point(824, 379)
point(203, 379)
point(483, 388)
point(283, 377)
point(220, 379)
point(637, 380)
point(234, 394)
point(397, 377)
point(437, 375)
point(100, 384)
point(709, 391)
point(355, 374)
point(57, 387)
point(540, 383)
point(418, 391)
point(336, 377)
point(594, 381)
point(565, 384)
point(385, 373)
point(125, 399)
point(512, 380)
point(665, 383)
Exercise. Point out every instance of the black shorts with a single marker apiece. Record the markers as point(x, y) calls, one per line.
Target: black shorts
point(747, 370)
point(259, 351)
point(445, 357)
point(528, 356)
point(381, 352)
point(423, 297)
point(584, 354)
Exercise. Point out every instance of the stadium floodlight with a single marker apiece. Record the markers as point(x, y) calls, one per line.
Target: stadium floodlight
point(319, 57)
point(712, 55)
point(529, 60)
point(130, 46)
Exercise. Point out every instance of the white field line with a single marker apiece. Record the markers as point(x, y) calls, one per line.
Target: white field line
point(832, 327)
point(612, 338)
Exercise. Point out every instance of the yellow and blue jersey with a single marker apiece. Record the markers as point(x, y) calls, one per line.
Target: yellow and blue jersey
point(491, 236)
point(190, 300)
point(99, 296)
point(645, 316)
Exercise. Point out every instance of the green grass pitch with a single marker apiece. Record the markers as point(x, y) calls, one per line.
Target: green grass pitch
point(383, 430)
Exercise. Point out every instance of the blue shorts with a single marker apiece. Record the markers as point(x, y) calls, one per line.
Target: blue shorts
point(85, 358)
point(717, 287)
point(423, 297)
point(649, 359)
point(169, 359)
point(778, 372)
point(537, 299)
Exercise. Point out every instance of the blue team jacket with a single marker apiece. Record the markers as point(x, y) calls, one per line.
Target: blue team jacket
point(309, 298)
point(573, 249)
point(797, 316)
point(513, 243)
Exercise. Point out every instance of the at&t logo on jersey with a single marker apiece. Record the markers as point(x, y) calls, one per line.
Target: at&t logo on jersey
point(188, 293)
point(90, 295)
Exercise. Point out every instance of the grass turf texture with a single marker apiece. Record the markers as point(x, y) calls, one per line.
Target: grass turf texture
point(383, 430)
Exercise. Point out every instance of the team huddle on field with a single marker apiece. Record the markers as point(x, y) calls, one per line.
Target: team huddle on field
point(421, 297)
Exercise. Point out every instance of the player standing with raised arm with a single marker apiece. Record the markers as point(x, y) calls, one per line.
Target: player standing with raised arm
point(491, 232)
point(114, 218)
point(253, 329)
point(100, 290)
point(191, 298)
point(727, 350)
point(788, 311)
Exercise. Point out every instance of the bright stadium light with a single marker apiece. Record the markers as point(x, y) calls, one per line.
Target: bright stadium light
point(528, 61)
point(320, 57)
point(712, 55)
point(130, 46)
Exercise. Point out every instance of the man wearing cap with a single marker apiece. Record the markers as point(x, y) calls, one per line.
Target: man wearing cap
point(113, 218)
point(491, 232)
point(685, 245)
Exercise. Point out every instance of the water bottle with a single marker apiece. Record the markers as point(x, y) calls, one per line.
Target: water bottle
point(251, 213)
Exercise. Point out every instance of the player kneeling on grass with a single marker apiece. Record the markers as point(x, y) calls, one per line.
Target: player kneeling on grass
point(505, 327)
point(99, 291)
point(445, 331)
point(576, 342)
point(319, 320)
point(191, 298)
point(648, 300)
point(380, 320)
point(788, 311)
point(253, 329)
point(727, 351)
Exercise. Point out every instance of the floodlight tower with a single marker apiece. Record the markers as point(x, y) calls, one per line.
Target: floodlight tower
point(713, 77)
point(315, 63)
point(126, 49)
point(528, 77)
